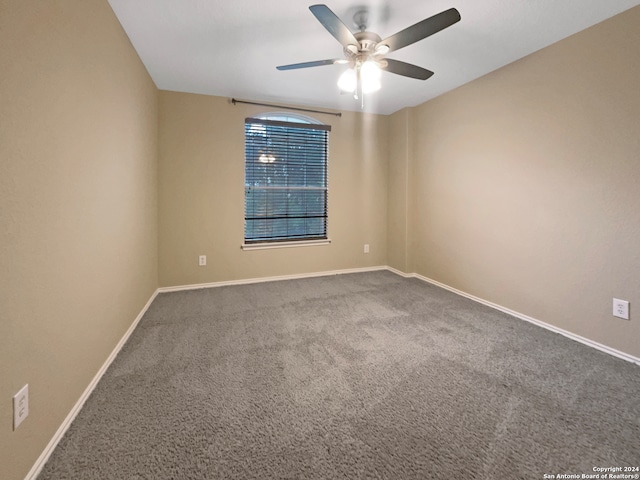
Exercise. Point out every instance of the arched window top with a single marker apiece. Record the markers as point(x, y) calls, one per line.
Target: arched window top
point(288, 117)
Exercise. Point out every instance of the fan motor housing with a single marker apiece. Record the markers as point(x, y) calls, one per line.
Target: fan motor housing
point(367, 41)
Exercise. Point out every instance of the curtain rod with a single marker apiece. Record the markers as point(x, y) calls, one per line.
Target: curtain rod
point(234, 101)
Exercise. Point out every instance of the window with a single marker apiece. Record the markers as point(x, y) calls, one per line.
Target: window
point(285, 179)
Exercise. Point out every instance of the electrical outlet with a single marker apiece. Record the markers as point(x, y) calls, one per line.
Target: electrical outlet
point(621, 308)
point(366, 248)
point(20, 406)
point(202, 260)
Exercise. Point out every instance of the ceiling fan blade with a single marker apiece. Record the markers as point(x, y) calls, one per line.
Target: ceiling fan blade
point(406, 69)
point(334, 25)
point(422, 29)
point(318, 63)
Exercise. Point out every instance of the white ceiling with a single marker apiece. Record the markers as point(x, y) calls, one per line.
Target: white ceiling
point(231, 47)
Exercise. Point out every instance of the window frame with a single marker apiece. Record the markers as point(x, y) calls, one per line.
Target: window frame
point(285, 119)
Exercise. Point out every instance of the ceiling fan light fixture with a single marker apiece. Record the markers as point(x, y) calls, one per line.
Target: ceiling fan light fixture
point(347, 81)
point(370, 70)
point(370, 73)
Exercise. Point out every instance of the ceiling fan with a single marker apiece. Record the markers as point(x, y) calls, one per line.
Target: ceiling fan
point(365, 51)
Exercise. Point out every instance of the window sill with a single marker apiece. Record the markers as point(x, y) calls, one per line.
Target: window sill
point(268, 246)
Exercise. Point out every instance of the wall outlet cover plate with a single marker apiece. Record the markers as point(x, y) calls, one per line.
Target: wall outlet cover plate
point(621, 308)
point(20, 406)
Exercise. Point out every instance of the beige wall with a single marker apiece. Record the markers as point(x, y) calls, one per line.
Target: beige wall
point(78, 208)
point(398, 181)
point(525, 184)
point(201, 194)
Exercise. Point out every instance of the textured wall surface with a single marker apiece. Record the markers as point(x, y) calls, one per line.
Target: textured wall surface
point(398, 180)
point(524, 185)
point(78, 207)
point(201, 194)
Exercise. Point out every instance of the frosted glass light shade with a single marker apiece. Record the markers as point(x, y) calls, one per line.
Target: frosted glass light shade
point(347, 81)
point(370, 74)
point(370, 70)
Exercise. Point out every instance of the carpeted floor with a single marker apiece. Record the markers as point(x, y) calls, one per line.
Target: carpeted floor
point(352, 376)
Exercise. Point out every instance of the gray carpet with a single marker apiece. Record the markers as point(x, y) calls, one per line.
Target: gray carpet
point(351, 376)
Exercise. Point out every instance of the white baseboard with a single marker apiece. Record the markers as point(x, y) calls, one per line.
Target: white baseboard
point(53, 443)
point(526, 318)
point(197, 286)
point(402, 274)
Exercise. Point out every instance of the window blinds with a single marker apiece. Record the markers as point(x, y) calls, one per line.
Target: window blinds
point(285, 181)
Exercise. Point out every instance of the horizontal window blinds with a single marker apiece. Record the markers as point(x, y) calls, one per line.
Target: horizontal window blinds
point(285, 181)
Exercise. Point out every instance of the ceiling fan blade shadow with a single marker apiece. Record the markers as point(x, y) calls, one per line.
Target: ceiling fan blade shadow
point(422, 29)
point(334, 25)
point(318, 63)
point(407, 69)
